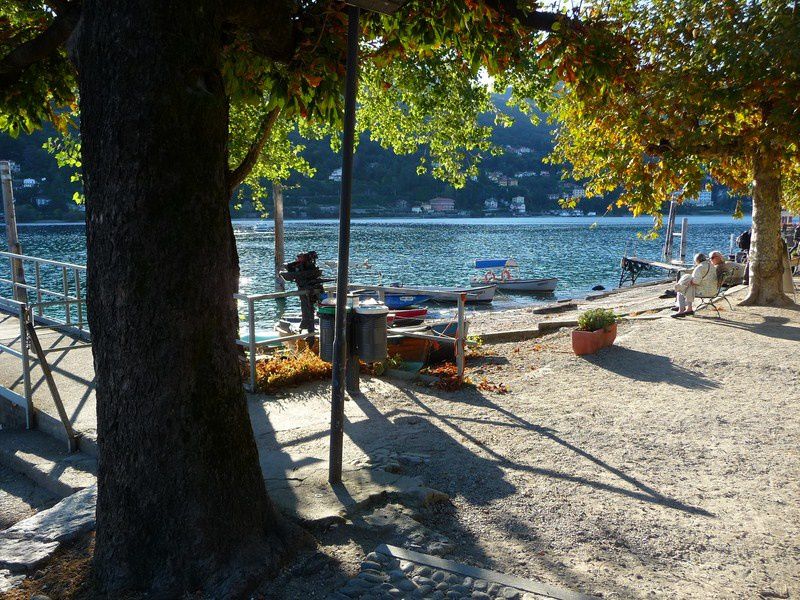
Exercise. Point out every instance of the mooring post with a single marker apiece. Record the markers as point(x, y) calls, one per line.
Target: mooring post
point(461, 337)
point(280, 257)
point(340, 330)
point(17, 268)
point(667, 253)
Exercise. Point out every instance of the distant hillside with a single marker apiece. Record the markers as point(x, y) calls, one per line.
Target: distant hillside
point(384, 184)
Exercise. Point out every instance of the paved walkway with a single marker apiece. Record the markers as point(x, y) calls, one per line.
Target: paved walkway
point(73, 372)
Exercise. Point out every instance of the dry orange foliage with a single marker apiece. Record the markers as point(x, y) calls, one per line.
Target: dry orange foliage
point(282, 371)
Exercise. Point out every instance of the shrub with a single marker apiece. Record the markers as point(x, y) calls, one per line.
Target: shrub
point(596, 318)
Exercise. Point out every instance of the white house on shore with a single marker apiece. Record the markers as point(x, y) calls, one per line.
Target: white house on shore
point(490, 204)
point(518, 205)
point(336, 175)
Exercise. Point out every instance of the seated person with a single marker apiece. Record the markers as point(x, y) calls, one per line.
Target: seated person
point(733, 270)
point(703, 280)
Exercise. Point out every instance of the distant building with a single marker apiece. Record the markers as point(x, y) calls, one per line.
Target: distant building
point(703, 199)
point(336, 175)
point(544, 173)
point(13, 166)
point(42, 202)
point(490, 204)
point(522, 174)
point(401, 205)
point(518, 205)
point(426, 207)
point(552, 196)
point(443, 204)
point(330, 209)
point(28, 182)
point(416, 209)
point(578, 192)
point(519, 151)
point(77, 207)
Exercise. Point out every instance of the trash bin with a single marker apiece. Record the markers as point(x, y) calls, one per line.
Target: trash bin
point(370, 332)
point(327, 325)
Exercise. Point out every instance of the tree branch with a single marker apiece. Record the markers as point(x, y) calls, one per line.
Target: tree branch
point(13, 64)
point(534, 19)
point(237, 175)
point(270, 32)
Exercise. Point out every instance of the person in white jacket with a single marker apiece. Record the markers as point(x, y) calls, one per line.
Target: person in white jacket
point(703, 278)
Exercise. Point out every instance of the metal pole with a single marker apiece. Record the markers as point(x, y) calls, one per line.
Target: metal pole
point(460, 337)
point(684, 230)
point(38, 270)
point(67, 304)
point(30, 413)
point(340, 330)
point(78, 296)
point(277, 197)
point(251, 330)
point(17, 268)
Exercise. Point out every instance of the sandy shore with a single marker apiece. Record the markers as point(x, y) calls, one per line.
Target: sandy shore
point(666, 466)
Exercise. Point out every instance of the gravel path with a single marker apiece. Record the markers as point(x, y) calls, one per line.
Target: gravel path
point(20, 498)
point(666, 466)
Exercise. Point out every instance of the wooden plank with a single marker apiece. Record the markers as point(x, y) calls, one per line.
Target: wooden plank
point(513, 581)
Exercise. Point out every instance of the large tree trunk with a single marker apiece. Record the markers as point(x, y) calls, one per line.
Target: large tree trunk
point(766, 250)
point(181, 500)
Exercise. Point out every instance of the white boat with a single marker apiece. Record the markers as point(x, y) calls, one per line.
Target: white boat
point(508, 281)
point(482, 293)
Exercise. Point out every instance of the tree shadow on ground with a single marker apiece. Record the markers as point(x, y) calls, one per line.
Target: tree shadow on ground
point(774, 327)
point(646, 367)
point(506, 418)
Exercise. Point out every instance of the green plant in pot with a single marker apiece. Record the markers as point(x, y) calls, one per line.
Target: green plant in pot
point(597, 328)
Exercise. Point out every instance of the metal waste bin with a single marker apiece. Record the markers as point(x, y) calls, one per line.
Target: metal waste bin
point(370, 332)
point(327, 326)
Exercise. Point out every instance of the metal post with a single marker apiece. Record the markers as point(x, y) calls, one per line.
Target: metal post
point(72, 439)
point(38, 271)
point(340, 331)
point(67, 306)
point(30, 415)
point(78, 296)
point(17, 268)
point(280, 257)
point(684, 229)
point(353, 367)
point(251, 325)
point(460, 337)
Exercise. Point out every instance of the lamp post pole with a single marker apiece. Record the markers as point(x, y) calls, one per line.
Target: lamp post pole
point(340, 328)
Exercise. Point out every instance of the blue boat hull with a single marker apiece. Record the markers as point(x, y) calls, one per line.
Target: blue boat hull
point(396, 301)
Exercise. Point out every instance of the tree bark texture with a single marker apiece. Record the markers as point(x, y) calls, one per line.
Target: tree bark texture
point(181, 501)
point(766, 259)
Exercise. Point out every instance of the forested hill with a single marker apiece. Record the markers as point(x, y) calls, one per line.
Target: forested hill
point(384, 184)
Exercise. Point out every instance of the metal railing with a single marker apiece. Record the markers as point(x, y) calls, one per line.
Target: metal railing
point(25, 402)
point(252, 344)
point(63, 307)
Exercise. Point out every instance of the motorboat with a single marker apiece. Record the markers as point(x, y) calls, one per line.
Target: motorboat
point(508, 280)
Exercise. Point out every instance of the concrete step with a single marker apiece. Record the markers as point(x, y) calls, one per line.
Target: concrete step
point(46, 461)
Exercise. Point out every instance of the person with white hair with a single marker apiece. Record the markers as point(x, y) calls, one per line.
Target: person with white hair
point(727, 270)
point(703, 278)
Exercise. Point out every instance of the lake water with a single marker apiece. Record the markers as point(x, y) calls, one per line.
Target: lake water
point(581, 252)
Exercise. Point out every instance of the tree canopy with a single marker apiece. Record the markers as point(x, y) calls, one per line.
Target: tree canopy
point(697, 88)
point(427, 73)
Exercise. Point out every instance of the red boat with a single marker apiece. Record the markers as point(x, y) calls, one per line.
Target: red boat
point(406, 317)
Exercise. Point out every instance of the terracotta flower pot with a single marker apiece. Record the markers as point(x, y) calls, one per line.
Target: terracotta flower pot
point(609, 335)
point(587, 342)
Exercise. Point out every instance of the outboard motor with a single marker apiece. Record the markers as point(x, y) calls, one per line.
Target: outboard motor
point(304, 273)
